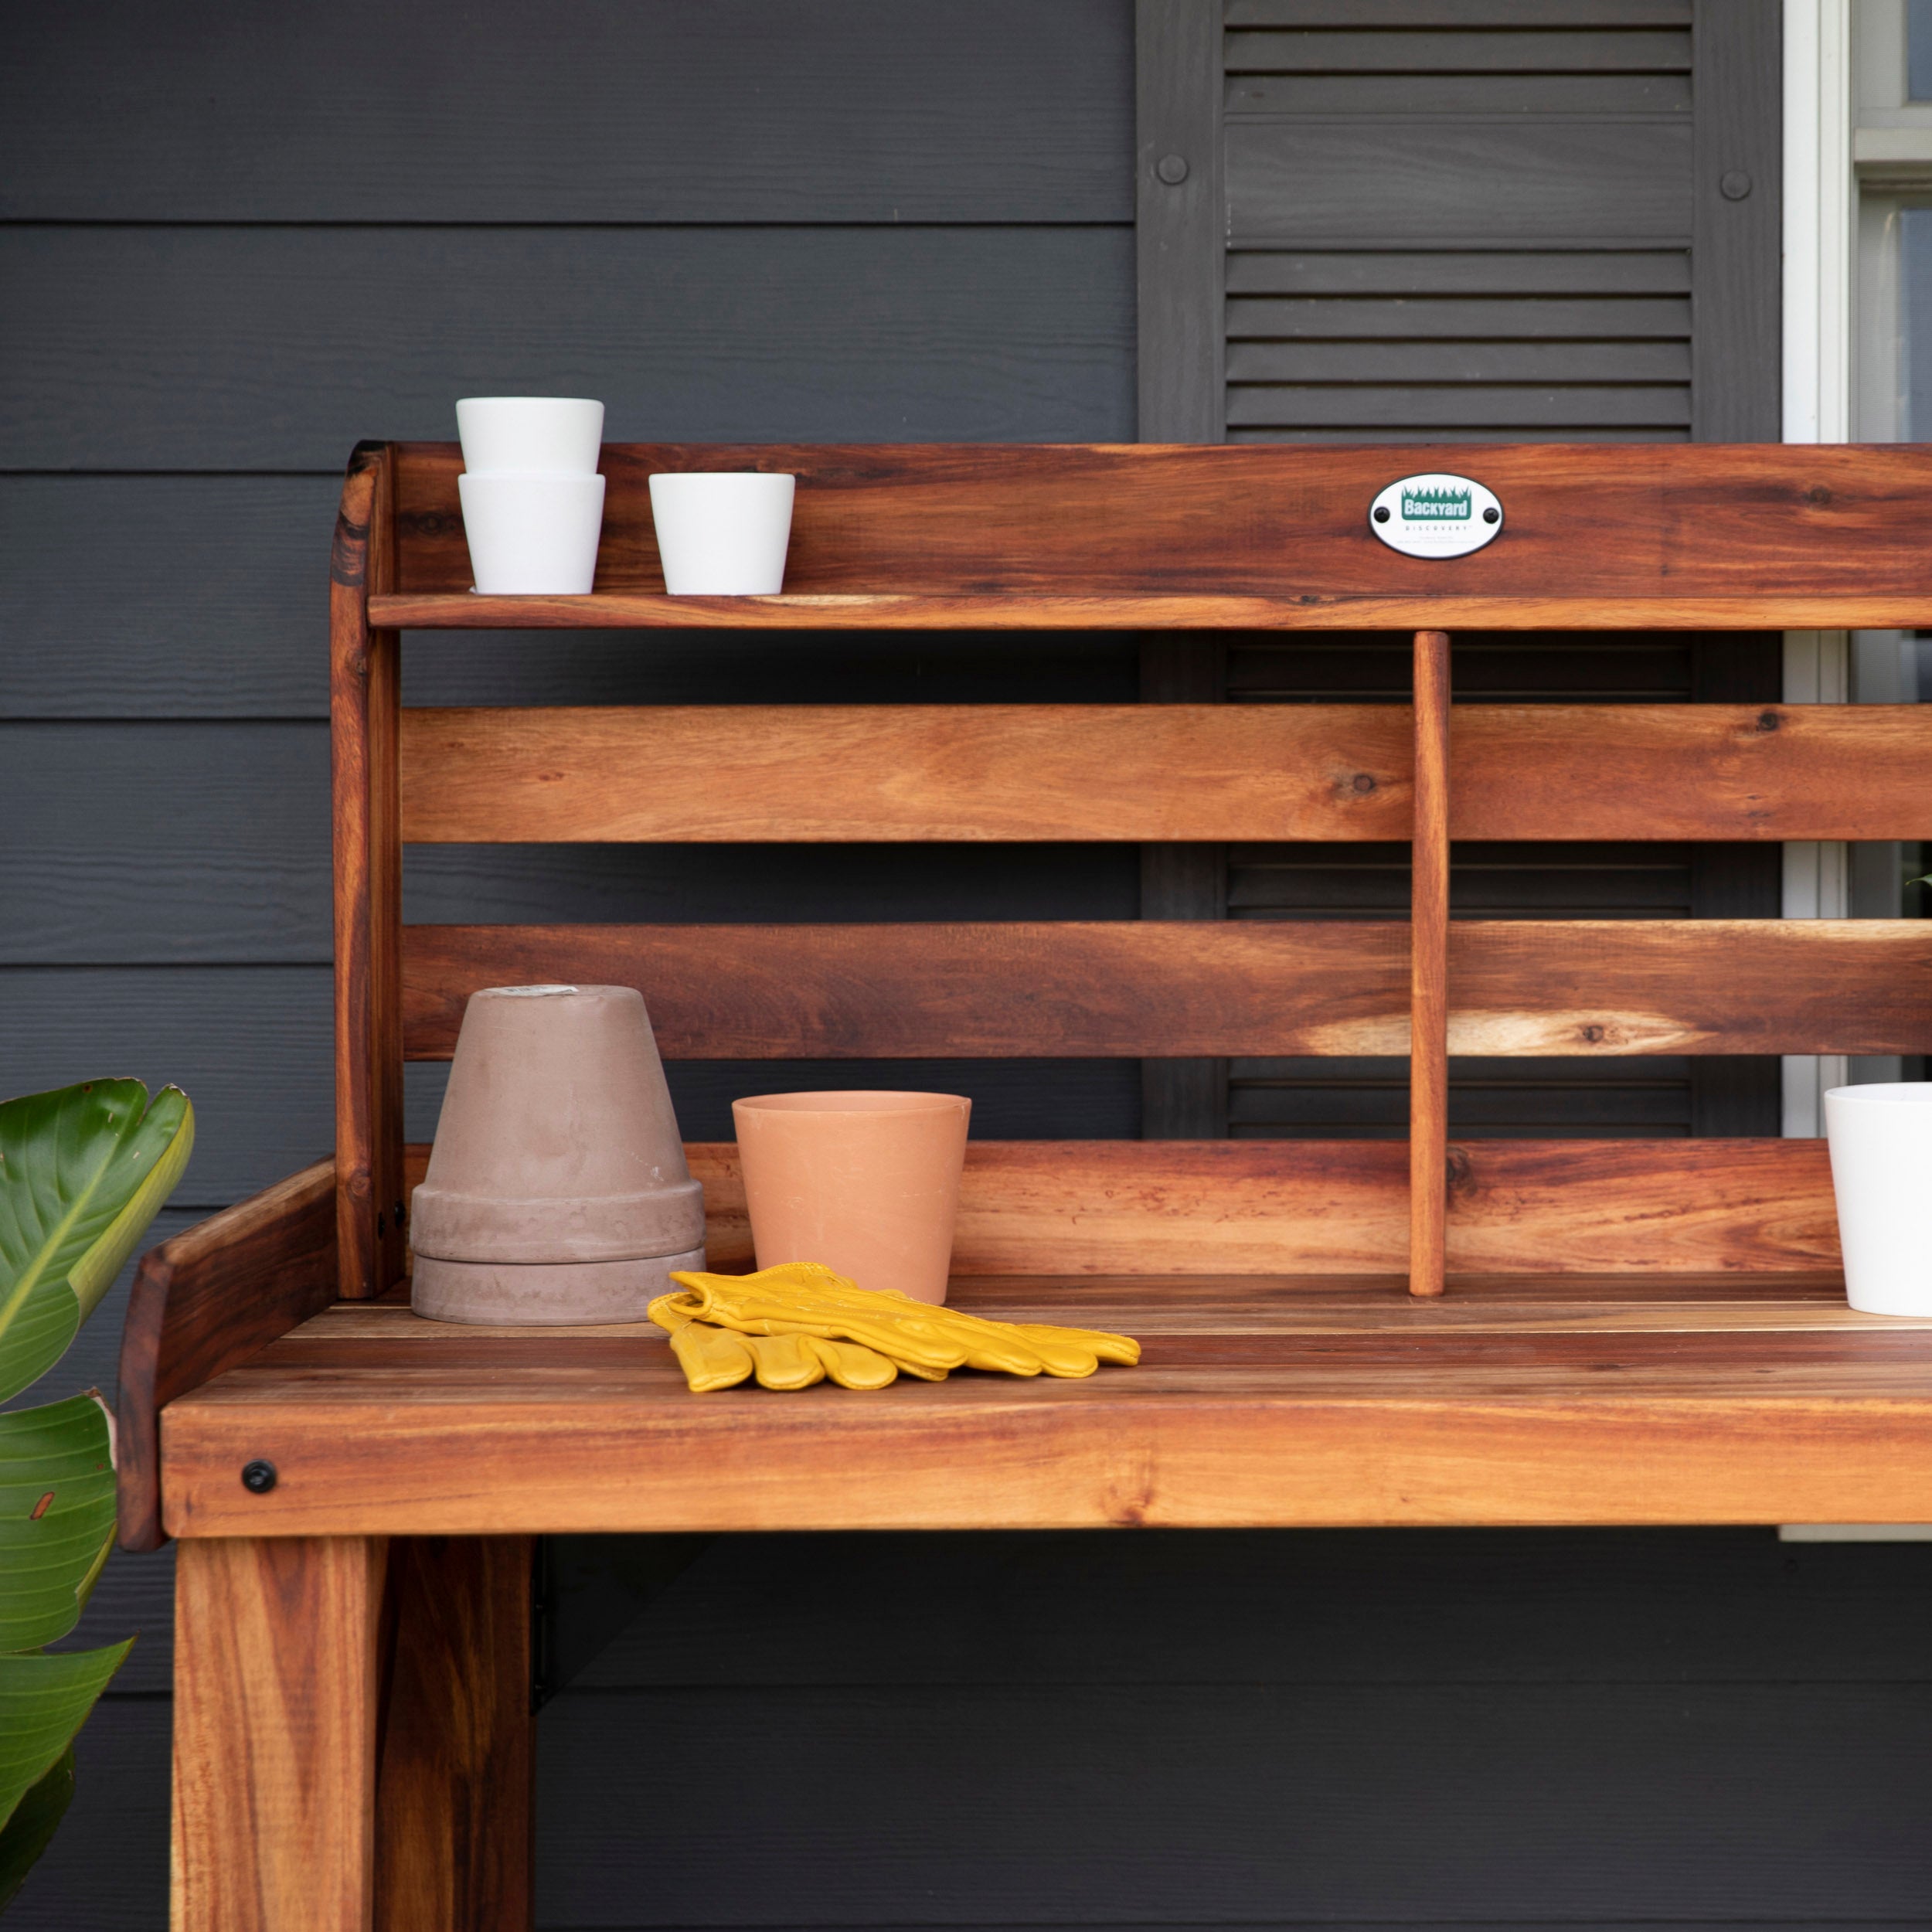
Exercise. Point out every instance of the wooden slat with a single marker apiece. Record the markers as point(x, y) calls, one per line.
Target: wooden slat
point(275, 1683)
point(1329, 1207)
point(205, 1301)
point(791, 773)
point(365, 695)
point(1130, 988)
point(1153, 773)
point(1429, 968)
point(1875, 607)
point(1690, 986)
point(1691, 771)
point(1121, 988)
point(1679, 529)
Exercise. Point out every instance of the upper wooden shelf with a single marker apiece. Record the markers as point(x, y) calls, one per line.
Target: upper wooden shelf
point(1139, 537)
point(1023, 610)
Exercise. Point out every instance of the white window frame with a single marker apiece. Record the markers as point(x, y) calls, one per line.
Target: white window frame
point(1852, 141)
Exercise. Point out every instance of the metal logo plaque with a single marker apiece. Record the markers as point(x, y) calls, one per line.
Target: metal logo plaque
point(1435, 515)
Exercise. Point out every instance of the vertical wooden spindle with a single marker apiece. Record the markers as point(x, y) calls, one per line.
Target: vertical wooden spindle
point(365, 700)
point(1429, 970)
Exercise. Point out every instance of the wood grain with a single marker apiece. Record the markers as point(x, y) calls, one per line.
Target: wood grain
point(458, 1747)
point(202, 1302)
point(1429, 968)
point(276, 1684)
point(1683, 532)
point(791, 774)
point(1536, 988)
point(1873, 608)
point(871, 773)
point(1322, 1207)
point(1259, 1404)
point(365, 697)
point(1111, 988)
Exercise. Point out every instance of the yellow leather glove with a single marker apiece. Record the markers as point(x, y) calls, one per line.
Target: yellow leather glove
point(796, 1324)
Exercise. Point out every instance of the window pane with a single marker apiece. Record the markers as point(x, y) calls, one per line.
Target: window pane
point(1915, 322)
point(1918, 43)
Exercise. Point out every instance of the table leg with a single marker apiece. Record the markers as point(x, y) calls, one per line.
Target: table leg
point(456, 1761)
point(276, 1684)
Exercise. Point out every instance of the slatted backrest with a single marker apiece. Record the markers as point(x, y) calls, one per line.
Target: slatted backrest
point(1001, 535)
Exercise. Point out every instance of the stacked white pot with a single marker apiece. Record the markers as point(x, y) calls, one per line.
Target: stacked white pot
point(532, 499)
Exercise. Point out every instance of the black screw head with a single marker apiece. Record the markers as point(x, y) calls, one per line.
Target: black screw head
point(1172, 169)
point(1734, 185)
point(258, 1476)
point(1492, 514)
point(1382, 513)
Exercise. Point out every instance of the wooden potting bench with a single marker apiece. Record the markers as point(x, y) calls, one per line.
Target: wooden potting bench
point(1632, 1331)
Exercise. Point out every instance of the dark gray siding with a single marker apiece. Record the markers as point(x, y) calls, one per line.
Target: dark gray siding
point(238, 241)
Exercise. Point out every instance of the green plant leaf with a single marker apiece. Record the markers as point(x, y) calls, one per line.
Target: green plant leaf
point(30, 1830)
point(44, 1698)
point(83, 1172)
point(56, 1517)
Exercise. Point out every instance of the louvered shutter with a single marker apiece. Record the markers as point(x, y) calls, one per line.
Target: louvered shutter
point(1460, 220)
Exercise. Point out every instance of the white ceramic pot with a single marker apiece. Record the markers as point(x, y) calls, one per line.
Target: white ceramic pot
point(1881, 1142)
point(533, 536)
point(723, 534)
point(530, 435)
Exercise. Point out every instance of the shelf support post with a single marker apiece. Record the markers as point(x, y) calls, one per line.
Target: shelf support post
point(1429, 970)
point(365, 720)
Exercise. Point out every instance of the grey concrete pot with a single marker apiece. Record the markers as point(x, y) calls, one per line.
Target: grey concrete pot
point(557, 1190)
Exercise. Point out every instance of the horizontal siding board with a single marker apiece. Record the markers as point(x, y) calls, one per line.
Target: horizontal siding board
point(1471, 181)
point(132, 596)
point(250, 1045)
point(1439, 364)
point(1318, 1607)
point(1358, 270)
point(1624, 319)
point(115, 357)
point(107, 1870)
point(1238, 1804)
point(740, 110)
point(1169, 987)
point(152, 842)
point(1466, 49)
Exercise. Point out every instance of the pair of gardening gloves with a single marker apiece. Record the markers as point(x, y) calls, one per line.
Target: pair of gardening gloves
point(799, 1323)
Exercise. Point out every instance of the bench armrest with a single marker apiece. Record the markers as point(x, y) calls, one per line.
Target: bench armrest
point(218, 1293)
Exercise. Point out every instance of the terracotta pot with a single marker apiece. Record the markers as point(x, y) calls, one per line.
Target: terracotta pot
point(868, 1183)
point(557, 1190)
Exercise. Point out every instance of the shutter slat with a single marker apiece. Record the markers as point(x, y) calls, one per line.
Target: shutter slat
point(1363, 270)
point(1460, 362)
point(1253, 96)
point(1388, 15)
point(1466, 318)
point(1302, 50)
